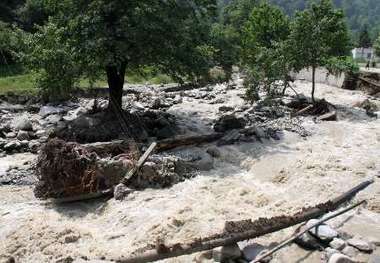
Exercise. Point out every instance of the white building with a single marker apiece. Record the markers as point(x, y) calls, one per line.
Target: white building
point(361, 53)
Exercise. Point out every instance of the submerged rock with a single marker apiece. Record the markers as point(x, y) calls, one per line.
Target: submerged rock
point(223, 254)
point(323, 232)
point(229, 122)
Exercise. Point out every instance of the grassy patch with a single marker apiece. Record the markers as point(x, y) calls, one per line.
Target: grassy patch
point(20, 84)
point(14, 79)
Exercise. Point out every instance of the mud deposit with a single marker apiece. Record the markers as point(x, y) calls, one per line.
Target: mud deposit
point(250, 180)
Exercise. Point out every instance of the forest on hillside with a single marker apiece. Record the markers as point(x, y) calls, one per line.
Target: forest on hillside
point(360, 13)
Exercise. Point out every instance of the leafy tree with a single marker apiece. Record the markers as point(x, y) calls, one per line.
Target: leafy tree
point(377, 46)
point(364, 38)
point(265, 49)
point(318, 34)
point(30, 14)
point(11, 43)
point(112, 36)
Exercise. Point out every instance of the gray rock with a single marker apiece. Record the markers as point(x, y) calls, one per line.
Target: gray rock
point(339, 258)
point(23, 135)
point(121, 192)
point(48, 110)
point(337, 244)
point(350, 251)
point(222, 254)
point(34, 146)
point(214, 152)
point(53, 119)
point(22, 123)
point(10, 135)
point(260, 133)
point(225, 108)
point(40, 133)
point(197, 159)
point(360, 244)
point(330, 251)
point(229, 122)
point(253, 251)
point(323, 232)
point(85, 122)
point(11, 146)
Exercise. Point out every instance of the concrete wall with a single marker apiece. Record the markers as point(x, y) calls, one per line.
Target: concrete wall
point(321, 76)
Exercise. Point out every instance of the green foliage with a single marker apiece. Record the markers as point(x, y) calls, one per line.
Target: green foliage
point(171, 36)
point(340, 65)
point(359, 13)
point(317, 35)
point(31, 14)
point(53, 60)
point(377, 46)
point(11, 43)
point(225, 41)
point(364, 38)
point(265, 50)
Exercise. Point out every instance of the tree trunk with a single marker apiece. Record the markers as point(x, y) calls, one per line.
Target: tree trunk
point(313, 84)
point(115, 78)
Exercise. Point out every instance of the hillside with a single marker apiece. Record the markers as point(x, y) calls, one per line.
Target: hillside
point(359, 12)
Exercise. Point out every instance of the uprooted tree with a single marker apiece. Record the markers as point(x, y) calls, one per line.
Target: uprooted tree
point(101, 37)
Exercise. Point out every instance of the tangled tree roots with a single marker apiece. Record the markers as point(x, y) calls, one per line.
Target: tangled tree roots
point(68, 169)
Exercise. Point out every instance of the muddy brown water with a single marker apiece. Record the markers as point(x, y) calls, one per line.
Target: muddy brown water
point(249, 181)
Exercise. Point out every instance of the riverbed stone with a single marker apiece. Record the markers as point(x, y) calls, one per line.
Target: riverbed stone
point(121, 191)
point(229, 122)
point(350, 251)
point(22, 123)
point(340, 258)
point(225, 253)
point(323, 232)
point(360, 244)
point(23, 135)
point(337, 244)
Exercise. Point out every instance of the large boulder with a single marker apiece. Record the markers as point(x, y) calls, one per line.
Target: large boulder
point(22, 123)
point(229, 122)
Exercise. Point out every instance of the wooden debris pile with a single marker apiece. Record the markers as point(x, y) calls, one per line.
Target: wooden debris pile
point(69, 169)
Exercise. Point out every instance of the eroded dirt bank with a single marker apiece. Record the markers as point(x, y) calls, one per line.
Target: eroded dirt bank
point(250, 180)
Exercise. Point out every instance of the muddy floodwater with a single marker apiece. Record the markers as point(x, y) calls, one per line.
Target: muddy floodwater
point(250, 180)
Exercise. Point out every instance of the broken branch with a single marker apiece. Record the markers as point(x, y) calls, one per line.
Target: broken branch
point(244, 230)
point(140, 163)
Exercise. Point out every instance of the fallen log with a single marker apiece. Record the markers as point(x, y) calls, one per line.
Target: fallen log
point(294, 237)
point(243, 230)
point(309, 107)
point(330, 116)
point(169, 144)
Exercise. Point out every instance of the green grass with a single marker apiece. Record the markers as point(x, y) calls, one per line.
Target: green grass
point(20, 84)
point(13, 79)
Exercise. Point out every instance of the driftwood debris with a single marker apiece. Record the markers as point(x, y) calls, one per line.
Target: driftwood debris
point(140, 163)
point(243, 230)
point(294, 237)
point(309, 107)
point(179, 141)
